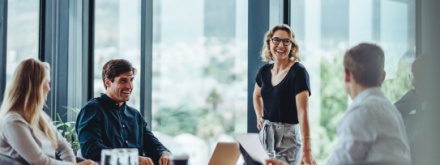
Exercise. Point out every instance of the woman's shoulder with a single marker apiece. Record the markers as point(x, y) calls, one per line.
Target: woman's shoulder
point(266, 67)
point(299, 66)
point(12, 118)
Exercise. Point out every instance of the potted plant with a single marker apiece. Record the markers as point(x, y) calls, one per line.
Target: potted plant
point(67, 130)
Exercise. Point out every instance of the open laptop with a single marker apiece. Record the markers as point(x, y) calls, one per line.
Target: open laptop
point(225, 153)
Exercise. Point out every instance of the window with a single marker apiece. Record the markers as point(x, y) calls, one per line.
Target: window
point(22, 33)
point(199, 74)
point(325, 30)
point(117, 35)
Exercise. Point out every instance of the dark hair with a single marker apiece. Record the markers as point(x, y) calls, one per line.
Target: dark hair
point(366, 62)
point(425, 68)
point(114, 68)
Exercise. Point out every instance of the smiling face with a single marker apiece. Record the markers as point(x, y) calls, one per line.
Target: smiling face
point(120, 89)
point(279, 50)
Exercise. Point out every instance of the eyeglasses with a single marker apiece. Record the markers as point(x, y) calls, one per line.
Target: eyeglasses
point(276, 41)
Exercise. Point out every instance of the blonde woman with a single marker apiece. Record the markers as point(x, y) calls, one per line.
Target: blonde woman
point(281, 96)
point(26, 132)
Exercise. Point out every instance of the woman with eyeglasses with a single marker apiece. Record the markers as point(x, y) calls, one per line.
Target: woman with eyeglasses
point(281, 98)
point(26, 132)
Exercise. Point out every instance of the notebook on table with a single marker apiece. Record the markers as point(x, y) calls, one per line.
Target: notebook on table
point(251, 148)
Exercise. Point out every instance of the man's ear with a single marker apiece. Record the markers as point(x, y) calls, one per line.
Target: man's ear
point(384, 74)
point(346, 75)
point(107, 82)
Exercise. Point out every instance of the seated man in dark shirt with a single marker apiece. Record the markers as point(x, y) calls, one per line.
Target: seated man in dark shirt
point(107, 122)
point(422, 124)
point(423, 129)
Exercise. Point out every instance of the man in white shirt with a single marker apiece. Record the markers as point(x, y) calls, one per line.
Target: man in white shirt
point(372, 130)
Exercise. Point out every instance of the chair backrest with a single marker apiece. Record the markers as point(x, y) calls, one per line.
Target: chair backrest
point(4, 159)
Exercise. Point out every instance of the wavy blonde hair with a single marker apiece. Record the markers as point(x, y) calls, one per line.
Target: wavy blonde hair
point(266, 55)
point(25, 96)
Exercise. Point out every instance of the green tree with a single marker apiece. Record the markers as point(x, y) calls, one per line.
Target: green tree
point(333, 101)
point(214, 98)
point(221, 65)
point(398, 86)
point(210, 125)
point(175, 121)
point(333, 95)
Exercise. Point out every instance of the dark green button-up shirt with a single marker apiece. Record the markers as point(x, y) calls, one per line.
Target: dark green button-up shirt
point(102, 124)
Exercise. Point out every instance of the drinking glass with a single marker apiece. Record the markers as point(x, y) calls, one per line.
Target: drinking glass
point(109, 157)
point(120, 156)
point(181, 159)
point(132, 154)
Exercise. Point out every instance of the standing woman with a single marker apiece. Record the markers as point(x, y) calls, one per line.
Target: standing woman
point(281, 98)
point(26, 132)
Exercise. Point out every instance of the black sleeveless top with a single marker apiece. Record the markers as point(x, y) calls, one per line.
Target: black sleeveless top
point(279, 103)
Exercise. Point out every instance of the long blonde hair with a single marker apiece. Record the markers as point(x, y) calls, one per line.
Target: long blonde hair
point(266, 55)
point(25, 96)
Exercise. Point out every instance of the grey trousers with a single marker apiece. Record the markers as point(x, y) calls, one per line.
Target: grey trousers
point(283, 138)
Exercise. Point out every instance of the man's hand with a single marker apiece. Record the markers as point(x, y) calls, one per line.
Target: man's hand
point(145, 161)
point(165, 158)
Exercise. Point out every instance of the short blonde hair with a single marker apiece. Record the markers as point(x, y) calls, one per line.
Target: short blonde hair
point(266, 55)
point(25, 96)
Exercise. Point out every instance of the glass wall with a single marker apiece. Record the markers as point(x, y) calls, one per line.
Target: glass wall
point(22, 33)
point(325, 30)
point(199, 74)
point(199, 83)
point(117, 36)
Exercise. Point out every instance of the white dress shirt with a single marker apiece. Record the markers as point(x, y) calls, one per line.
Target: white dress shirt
point(372, 131)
